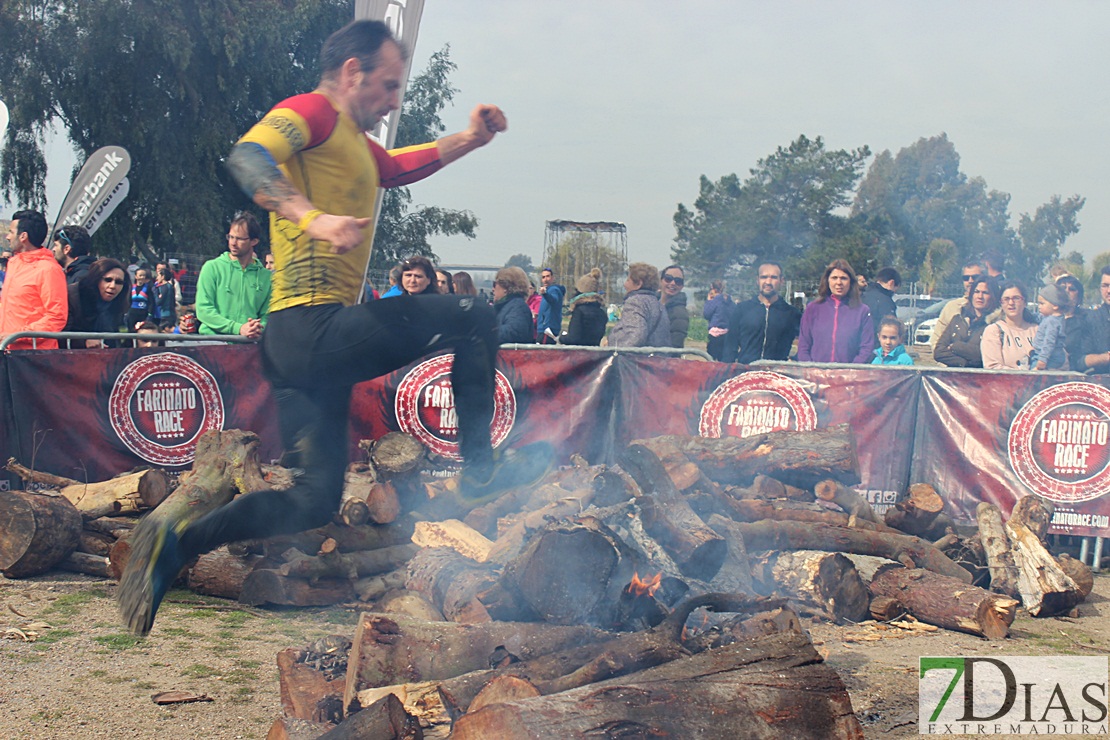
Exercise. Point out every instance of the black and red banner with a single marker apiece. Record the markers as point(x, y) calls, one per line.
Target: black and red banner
point(977, 436)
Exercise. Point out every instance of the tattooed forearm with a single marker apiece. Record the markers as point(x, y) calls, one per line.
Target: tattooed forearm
point(257, 174)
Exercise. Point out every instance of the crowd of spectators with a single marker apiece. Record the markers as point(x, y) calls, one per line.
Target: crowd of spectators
point(851, 319)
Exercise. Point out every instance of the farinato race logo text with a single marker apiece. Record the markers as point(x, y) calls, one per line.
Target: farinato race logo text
point(1061, 695)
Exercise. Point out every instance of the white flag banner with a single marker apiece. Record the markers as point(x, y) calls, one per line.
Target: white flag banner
point(107, 204)
point(3, 121)
point(403, 19)
point(102, 172)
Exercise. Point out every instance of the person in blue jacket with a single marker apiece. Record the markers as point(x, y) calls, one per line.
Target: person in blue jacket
point(891, 351)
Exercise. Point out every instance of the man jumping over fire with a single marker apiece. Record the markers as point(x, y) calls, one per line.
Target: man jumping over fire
point(309, 163)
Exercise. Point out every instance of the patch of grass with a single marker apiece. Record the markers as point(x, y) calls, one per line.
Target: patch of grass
point(345, 617)
point(235, 618)
point(229, 635)
point(47, 639)
point(248, 663)
point(143, 685)
point(197, 613)
point(69, 605)
point(48, 715)
point(178, 632)
point(199, 670)
point(238, 675)
point(118, 641)
point(242, 695)
point(98, 674)
point(30, 658)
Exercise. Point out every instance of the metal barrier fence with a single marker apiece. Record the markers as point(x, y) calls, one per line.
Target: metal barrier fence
point(129, 339)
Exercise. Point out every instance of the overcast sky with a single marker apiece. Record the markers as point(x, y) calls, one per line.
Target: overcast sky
point(617, 107)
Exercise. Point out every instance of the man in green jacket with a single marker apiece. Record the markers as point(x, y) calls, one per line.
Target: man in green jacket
point(233, 290)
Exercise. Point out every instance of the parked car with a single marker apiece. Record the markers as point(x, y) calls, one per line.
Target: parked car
point(925, 322)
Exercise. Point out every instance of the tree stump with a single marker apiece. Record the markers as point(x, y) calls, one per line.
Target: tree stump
point(1046, 590)
point(37, 532)
point(1000, 559)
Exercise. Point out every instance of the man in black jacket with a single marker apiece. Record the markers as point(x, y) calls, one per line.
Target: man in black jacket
point(72, 245)
point(879, 296)
point(763, 327)
point(1089, 345)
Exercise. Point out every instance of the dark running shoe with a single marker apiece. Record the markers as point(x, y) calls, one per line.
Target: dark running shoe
point(516, 468)
point(152, 567)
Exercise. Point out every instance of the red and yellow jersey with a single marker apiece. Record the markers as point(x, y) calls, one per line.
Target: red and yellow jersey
point(339, 169)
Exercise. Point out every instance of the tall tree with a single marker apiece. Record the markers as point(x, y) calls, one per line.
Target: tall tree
point(782, 211)
point(404, 230)
point(1043, 233)
point(522, 261)
point(173, 83)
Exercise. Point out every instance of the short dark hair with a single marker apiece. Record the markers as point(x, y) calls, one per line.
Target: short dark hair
point(887, 274)
point(34, 224)
point(422, 264)
point(771, 263)
point(994, 260)
point(254, 229)
point(362, 40)
point(77, 238)
point(1106, 270)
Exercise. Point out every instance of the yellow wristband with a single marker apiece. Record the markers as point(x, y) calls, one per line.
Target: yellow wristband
point(308, 218)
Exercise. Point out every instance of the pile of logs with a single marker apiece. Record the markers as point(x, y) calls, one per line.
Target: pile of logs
point(660, 594)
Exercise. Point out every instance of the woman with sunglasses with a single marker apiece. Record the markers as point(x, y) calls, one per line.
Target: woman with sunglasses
point(674, 301)
point(1007, 342)
point(99, 301)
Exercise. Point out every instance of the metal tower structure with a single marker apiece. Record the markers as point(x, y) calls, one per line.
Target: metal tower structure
point(573, 248)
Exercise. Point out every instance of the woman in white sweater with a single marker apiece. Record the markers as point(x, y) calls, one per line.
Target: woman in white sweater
point(1007, 342)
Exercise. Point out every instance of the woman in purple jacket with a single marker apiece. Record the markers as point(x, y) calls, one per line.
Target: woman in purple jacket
point(837, 326)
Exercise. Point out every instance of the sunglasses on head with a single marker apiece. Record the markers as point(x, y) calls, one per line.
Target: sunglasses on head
point(673, 279)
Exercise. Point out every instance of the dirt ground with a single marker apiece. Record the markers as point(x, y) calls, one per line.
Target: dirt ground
point(82, 676)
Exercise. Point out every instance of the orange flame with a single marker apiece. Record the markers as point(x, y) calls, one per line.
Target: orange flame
point(639, 587)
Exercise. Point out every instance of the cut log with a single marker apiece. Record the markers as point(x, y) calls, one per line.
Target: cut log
point(226, 463)
point(439, 702)
point(1046, 590)
point(735, 574)
point(38, 531)
point(754, 510)
point(851, 502)
point(920, 513)
point(219, 573)
point(263, 586)
point(94, 543)
point(796, 458)
point(770, 687)
point(503, 689)
point(452, 533)
point(357, 482)
point(409, 604)
point(910, 551)
point(451, 582)
point(126, 494)
point(397, 453)
point(1079, 572)
point(374, 587)
point(824, 583)
point(886, 609)
point(83, 562)
point(571, 573)
point(306, 693)
point(349, 565)
point(390, 650)
point(46, 480)
point(946, 602)
point(385, 718)
point(1000, 560)
point(113, 526)
point(668, 518)
point(291, 728)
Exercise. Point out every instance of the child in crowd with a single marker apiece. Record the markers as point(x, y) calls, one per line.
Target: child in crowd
point(147, 327)
point(890, 350)
point(1048, 344)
